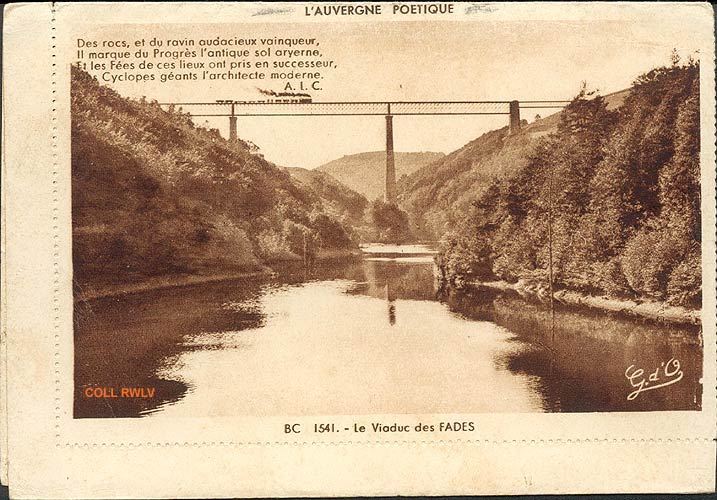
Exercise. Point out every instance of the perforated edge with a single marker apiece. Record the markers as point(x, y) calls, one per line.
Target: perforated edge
point(55, 223)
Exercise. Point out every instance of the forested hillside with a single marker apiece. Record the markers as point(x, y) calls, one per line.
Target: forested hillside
point(438, 195)
point(154, 195)
point(620, 186)
point(365, 173)
point(338, 200)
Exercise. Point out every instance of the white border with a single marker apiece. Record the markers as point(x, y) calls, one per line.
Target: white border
point(510, 453)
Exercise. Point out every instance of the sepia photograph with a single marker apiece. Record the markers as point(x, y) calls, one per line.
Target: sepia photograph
point(357, 249)
point(386, 218)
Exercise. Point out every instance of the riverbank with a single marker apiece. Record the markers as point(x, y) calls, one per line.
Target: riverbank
point(653, 310)
point(88, 292)
point(92, 292)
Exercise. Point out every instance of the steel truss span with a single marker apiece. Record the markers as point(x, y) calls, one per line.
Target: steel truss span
point(398, 108)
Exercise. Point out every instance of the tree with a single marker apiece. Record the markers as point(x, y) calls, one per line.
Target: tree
point(624, 187)
point(390, 221)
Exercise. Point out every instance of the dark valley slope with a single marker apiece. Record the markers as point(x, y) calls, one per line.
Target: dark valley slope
point(338, 200)
point(154, 195)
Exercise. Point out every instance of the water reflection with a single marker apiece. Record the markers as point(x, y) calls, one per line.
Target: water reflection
point(372, 335)
point(583, 368)
point(394, 280)
point(126, 341)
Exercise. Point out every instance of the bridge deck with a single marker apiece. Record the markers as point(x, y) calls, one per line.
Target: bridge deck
point(398, 108)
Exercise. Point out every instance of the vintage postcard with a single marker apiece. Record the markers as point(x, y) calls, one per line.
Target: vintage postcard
point(345, 249)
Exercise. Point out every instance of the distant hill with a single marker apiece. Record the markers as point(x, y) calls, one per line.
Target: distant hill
point(153, 195)
point(438, 195)
point(365, 172)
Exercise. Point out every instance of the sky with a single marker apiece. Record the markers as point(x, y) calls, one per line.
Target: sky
point(407, 60)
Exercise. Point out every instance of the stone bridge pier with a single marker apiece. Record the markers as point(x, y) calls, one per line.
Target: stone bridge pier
point(390, 194)
point(232, 128)
point(514, 107)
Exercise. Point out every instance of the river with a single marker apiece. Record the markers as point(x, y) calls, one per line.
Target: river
point(366, 336)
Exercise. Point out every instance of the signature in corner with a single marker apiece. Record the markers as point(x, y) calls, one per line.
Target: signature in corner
point(666, 374)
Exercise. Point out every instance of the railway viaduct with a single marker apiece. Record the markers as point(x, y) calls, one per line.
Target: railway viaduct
point(234, 109)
